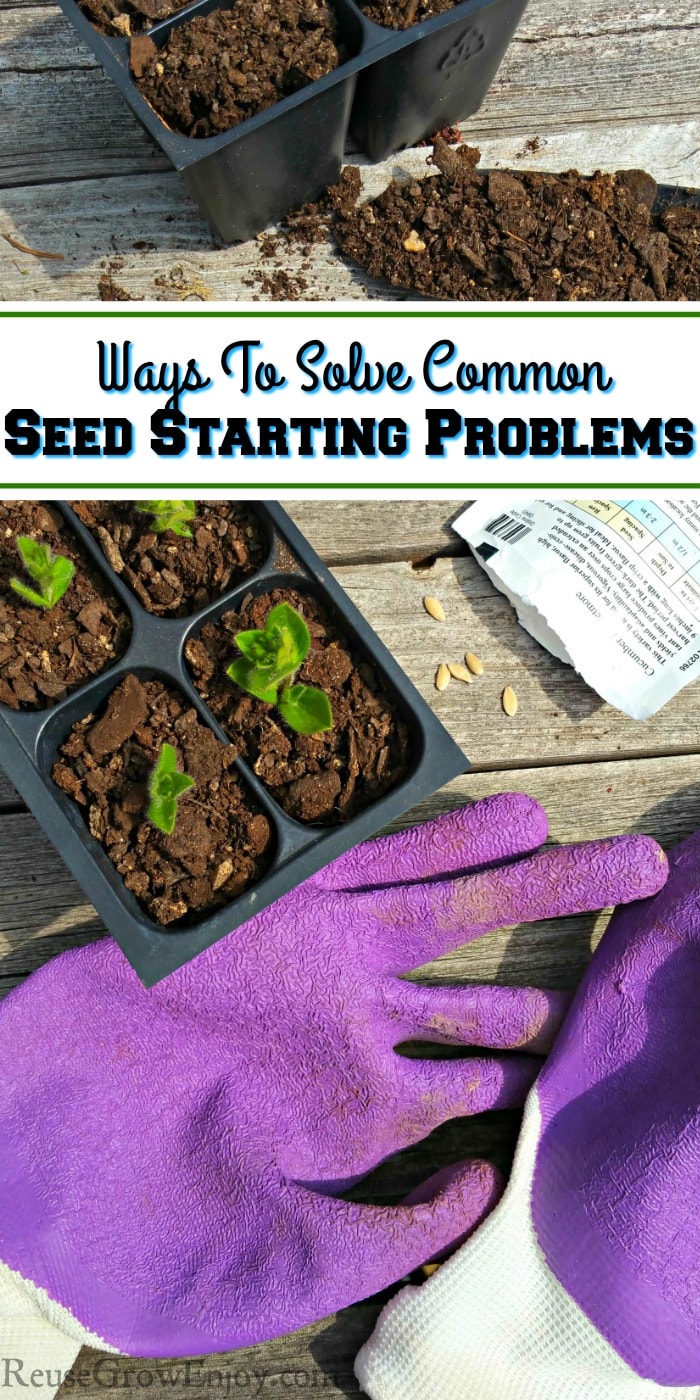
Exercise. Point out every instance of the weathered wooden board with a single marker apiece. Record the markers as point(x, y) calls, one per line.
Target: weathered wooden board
point(614, 87)
point(355, 532)
point(316, 1361)
point(149, 234)
point(559, 717)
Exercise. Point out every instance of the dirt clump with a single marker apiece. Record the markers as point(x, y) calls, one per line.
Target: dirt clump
point(171, 575)
point(221, 843)
point(127, 17)
point(45, 653)
point(403, 14)
point(498, 235)
point(326, 777)
point(216, 70)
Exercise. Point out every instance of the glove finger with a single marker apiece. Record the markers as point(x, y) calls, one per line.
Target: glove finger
point(497, 1018)
point(354, 1250)
point(497, 827)
point(431, 1092)
point(420, 922)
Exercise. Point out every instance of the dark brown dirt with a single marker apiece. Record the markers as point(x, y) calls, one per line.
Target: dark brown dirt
point(510, 236)
point(221, 842)
point(173, 576)
point(402, 14)
point(325, 777)
point(127, 17)
point(219, 69)
point(46, 654)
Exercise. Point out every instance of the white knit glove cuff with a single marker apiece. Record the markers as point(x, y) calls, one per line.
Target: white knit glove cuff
point(495, 1324)
point(39, 1340)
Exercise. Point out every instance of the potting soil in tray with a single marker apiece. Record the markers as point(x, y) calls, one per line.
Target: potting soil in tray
point(221, 841)
point(325, 777)
point(128, 17)
point(403, 14)
point(471, 235)
point(216, 70)
point(172, 575)
point(46, 653)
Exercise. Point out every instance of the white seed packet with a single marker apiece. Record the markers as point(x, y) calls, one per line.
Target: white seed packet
point(610, 587)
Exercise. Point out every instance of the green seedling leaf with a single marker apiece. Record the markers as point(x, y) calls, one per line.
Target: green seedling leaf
point(306, 709)
point(257, 646)
point(290, 635)
point(169, 515)
point(271, 658)
point(52, 574)
point(278, 648)
point(165, 789)
point(254, 679)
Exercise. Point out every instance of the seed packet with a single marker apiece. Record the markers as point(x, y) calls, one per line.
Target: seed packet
point(612, 587)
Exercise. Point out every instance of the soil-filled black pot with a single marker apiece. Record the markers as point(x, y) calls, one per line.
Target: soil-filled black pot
point(393, 89)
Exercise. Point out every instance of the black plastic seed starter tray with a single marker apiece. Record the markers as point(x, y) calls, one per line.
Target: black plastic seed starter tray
point(395, 88)
point(29, 742)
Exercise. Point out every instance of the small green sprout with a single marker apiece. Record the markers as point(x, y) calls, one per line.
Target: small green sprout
point(165, 789)
point(169, 515)
point(271, 657)
point(52, 574)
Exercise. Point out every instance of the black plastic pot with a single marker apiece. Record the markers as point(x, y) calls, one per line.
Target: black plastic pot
point(411, 83)
point(29, 742)
point(435, 74)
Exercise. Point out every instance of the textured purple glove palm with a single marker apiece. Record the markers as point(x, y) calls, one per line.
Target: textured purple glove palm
point(617, 1176)
point(169, 1158)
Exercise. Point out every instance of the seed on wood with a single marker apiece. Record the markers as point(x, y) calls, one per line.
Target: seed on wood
point(475, 665)
point(509, 701)
point(460, 673)
point(442, 677)
point(414, 243)
point(434, 607)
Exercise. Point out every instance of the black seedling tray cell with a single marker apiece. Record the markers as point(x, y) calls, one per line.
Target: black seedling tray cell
point(435, 74)
point(29, 743)
point(411, 82)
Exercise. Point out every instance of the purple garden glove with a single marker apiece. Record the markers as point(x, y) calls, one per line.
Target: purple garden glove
point(584, 1284)
point(169, 1159)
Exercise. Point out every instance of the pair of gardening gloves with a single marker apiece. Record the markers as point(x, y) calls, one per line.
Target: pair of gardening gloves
point(171, 1161)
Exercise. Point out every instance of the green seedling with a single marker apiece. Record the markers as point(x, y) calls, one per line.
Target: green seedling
point(52, 573)
point(165, 789)
point(169, 515)
point(271, 658)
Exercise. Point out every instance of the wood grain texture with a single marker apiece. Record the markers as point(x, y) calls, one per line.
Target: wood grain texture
point(357, 532)
point(559, 719)
point(609, 87)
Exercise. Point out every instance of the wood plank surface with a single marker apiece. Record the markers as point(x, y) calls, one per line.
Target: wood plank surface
point(560, 719)
point(357, 532)
point(609, 87)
